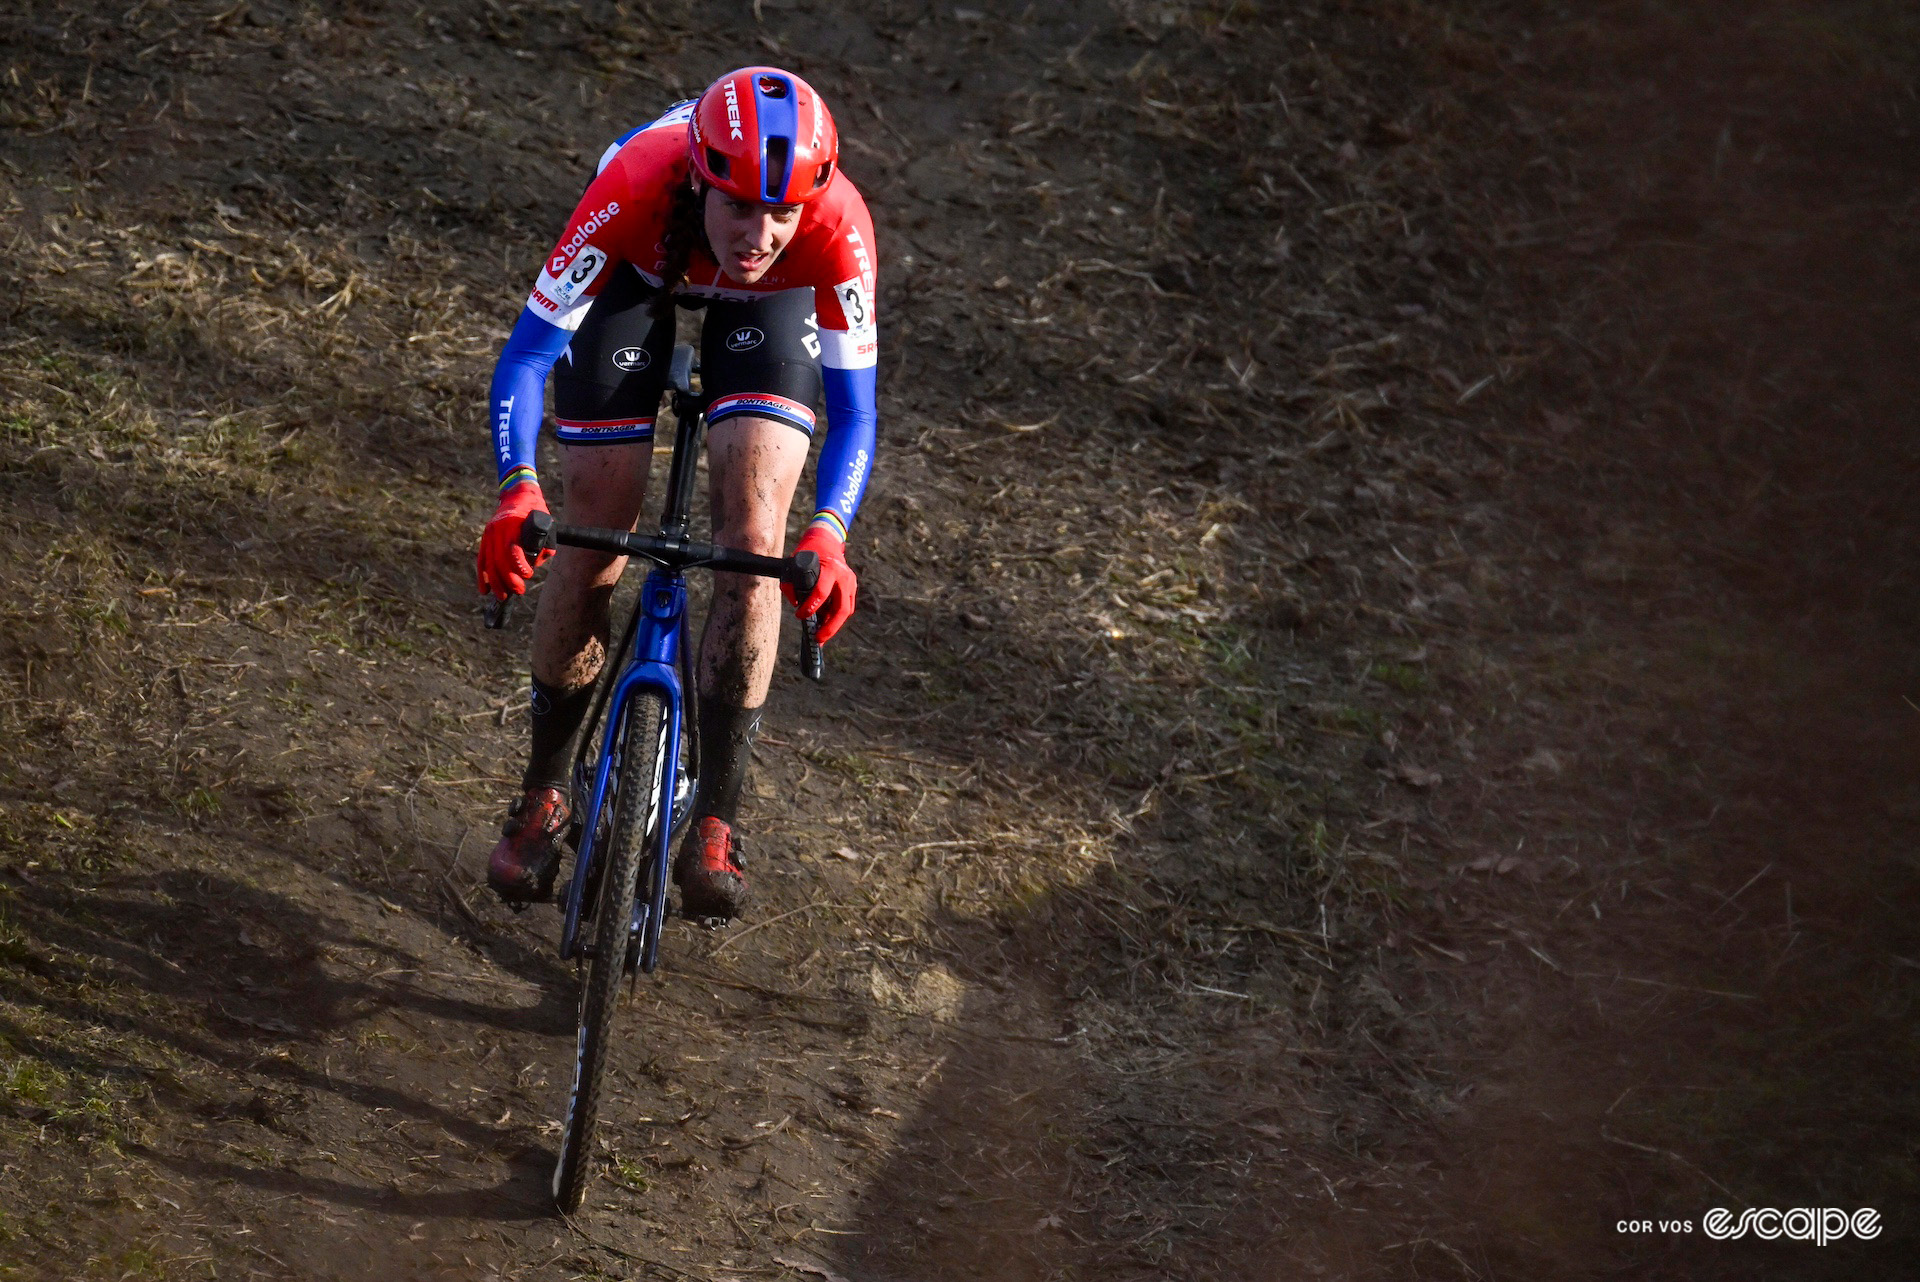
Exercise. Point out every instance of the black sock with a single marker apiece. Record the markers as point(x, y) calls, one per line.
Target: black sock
point(557, 716)
point(726, 750)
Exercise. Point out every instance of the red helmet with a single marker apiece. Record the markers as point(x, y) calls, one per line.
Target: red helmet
point(763, 134)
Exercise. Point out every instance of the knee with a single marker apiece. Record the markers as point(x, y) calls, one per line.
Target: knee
point(756, 463)
point(580, 574)
point(762, 538)
point(749, 524)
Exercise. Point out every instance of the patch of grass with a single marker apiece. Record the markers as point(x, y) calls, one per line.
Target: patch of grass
point(630, 1174)
point(88, 1103)
point(852, 764)
point(107, 613)
point(139, 1262)
point(198, 803)
point(1351, 719)
point(1404, 677)
point(73, 841)
point(13, 944)
point(33, 1082)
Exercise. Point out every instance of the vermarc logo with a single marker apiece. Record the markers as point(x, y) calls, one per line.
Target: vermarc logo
point(745, 339)
point(631, 358)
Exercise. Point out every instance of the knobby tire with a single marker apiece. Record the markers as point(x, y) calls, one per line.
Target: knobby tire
point(636, 810)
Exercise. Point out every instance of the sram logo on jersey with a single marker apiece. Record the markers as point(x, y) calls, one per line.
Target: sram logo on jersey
point(595, 221)
point(733, 112)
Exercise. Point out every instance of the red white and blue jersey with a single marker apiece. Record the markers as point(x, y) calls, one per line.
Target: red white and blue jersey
point(623, 218)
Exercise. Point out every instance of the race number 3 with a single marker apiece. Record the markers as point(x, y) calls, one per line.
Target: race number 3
point(853, 303)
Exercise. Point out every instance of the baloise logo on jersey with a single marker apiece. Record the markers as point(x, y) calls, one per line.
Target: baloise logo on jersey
point(745, 339)
point(850, 495)
point(595, 221)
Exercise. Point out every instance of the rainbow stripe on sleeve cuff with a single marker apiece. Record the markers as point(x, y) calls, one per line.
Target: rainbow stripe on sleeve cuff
point(829, 520)
point(524, 472)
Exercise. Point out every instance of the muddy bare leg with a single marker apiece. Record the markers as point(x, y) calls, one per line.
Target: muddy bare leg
point(754, 465)
point(605, 486)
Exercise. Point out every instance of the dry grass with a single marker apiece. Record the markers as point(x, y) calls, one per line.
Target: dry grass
point(1156, 838)
point(1138, 574)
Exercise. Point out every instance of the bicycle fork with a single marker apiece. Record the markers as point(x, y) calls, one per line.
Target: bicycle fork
point(652, 665)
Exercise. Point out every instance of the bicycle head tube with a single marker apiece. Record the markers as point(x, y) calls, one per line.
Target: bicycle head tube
point(681, 371)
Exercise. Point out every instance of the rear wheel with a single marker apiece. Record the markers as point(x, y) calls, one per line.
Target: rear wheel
point(636, 816)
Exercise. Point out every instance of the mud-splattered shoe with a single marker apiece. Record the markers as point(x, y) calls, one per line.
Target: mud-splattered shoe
point(523, 865)
point(713, 887)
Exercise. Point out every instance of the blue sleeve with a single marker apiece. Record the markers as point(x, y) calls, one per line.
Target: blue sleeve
point(517, 397)
point(846, 459)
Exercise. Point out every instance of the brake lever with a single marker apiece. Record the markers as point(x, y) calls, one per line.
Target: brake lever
point(533, 534)
point(495, 610)
point(813, 661)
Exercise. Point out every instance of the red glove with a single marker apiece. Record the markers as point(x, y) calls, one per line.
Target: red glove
point(833, 592)
point(503, 563)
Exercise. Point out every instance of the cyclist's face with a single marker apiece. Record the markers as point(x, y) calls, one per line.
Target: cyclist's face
point(746, 235)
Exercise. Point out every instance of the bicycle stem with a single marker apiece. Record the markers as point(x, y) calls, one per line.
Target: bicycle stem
point(801, 570)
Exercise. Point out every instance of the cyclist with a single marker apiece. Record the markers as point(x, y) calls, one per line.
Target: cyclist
point(733, 203)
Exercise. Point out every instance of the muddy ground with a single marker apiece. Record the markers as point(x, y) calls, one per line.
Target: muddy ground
point(1380, 740)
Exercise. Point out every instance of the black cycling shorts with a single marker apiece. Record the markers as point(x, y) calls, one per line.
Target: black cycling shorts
point(758, 356)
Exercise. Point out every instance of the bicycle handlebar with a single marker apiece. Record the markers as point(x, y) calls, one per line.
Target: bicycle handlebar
point(801, 571)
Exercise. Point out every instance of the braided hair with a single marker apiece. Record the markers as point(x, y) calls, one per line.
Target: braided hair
point(686, 232)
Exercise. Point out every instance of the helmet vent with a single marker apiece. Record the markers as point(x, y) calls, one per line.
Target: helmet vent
point(717, 164)
point(773, 86)
point(776, 170)
point(821, 175)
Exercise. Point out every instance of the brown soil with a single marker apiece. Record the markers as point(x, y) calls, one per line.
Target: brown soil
point(1380, 739)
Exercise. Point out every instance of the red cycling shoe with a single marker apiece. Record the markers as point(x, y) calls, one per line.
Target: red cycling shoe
point(709, 874)
point(523, 865)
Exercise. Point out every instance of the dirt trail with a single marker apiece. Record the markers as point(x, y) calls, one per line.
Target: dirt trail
point(1378, 743)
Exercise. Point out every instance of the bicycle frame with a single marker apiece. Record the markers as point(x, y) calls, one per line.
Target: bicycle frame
point(651, 664)
point(652, 659)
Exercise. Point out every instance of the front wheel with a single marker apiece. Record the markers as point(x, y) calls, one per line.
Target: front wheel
point(636, 816)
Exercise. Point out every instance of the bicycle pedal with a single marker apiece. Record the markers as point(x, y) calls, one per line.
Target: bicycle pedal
point(709, 923)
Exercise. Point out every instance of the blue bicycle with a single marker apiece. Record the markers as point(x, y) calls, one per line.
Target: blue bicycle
point(638, 764)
